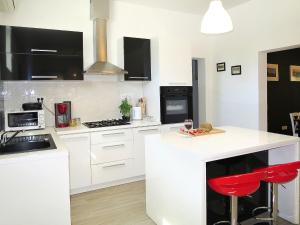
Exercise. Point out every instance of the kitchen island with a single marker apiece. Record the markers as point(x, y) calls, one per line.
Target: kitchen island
point(176, 171)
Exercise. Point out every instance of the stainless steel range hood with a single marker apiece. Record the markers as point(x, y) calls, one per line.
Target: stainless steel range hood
point(100, 14)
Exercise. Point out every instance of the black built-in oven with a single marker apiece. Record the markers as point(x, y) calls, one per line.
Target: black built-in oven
point(176, 103)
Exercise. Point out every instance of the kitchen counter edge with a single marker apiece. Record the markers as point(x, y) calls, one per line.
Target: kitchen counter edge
point(83, 129)
point(60, 151)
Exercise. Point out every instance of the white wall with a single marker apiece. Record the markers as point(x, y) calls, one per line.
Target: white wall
point(258, 26)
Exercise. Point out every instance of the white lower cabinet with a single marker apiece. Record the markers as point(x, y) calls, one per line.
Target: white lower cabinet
point(111, 151)
point(139, 147)
point(111, 155)
point(79, 159)
point(111, 136)
point(112, 171)
point(98, 158)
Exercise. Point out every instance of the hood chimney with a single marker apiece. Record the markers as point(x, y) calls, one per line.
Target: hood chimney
point(100, 15)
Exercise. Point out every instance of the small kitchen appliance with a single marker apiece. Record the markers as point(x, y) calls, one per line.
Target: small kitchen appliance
point(136, 113)
point(33, 105)
point(24, 120)
point(62, 114)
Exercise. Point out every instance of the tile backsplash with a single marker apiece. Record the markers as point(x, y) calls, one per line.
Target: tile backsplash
point(91, 100)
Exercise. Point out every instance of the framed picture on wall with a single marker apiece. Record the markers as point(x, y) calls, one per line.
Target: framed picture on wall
point(295, 73)
point(272, 72)
point(236, 70)
point(221, 67)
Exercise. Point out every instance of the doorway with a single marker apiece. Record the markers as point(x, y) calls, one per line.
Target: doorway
point(199, 91)
point(278, 96)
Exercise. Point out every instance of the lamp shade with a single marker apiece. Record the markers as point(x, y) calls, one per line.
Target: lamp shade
point(216, 20)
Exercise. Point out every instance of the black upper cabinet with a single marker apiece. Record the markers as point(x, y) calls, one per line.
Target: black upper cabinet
point(40, 41)
point(137, 59)
point(40, 54)
point(40, 67)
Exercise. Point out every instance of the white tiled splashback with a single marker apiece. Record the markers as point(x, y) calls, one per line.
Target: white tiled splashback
point(91, 100)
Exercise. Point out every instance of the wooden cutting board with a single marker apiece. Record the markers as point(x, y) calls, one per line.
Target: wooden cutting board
point(213, 131)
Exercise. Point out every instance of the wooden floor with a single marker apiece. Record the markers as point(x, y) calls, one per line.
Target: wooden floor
point(120, 205)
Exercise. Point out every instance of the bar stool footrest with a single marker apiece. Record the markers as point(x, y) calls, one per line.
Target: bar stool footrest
point(268, 209)
point(222, 222)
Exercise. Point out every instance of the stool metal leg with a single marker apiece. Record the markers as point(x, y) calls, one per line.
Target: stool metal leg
point(272, 210)
point(234, 210)
point(275, 202)
point(222, 222)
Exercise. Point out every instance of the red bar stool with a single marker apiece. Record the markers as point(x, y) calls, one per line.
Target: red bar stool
point(236, 186)
point(277, 174)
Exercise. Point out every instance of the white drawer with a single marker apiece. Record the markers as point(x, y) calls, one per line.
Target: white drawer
point(111, 136)
point(113, 151)
point(112, 171)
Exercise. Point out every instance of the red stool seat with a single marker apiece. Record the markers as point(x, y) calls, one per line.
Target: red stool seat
point(295, 165)
point(237, 185)
point(280, 174)
point(277, 174)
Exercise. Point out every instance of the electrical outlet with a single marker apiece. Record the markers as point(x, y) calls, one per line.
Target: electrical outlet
point(126, 95)
point(285, 127)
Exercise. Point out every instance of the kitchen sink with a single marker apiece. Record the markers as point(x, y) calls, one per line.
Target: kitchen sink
point(28, 144)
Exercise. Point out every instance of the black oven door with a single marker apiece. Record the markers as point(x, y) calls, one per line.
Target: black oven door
point(175, 109)
point(19, 120)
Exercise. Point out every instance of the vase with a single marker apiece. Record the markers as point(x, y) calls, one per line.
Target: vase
point(126, 118)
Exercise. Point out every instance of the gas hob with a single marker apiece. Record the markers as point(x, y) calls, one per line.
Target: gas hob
point(106, 123)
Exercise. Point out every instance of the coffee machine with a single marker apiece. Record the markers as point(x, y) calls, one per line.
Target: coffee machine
point(62, 114)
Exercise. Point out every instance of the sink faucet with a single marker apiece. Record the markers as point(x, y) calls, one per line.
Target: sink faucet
point(4, 139)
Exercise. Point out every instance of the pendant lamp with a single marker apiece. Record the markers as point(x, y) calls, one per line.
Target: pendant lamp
point(216, 20)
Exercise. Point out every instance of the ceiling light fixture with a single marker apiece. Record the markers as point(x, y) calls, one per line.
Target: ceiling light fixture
point(216, 20)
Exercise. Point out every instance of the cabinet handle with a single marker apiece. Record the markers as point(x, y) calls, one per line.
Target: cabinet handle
point(113, 146)
point(114, 165)
point(44, 77)
point(177, 83)
point(43, 50)
point(139, 78)
point(113, 134)
point(148, 130)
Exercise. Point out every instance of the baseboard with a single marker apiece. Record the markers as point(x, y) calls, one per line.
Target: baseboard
point(106, 185)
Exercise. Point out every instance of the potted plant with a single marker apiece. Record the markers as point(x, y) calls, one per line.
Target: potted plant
point(125, 109)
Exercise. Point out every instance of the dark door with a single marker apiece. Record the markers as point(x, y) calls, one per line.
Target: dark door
point(41, 41)
point(137, 59)
point(14, 66)
point(195, 93)
point(39, 54)
point(40, 67)
point(176, 104)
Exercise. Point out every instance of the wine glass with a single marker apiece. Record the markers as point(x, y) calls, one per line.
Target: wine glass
point(188, 124)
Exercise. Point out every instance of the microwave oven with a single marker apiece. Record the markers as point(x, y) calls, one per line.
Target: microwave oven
point(24, 120)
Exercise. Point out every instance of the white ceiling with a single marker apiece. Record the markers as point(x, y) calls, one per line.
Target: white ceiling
point(189, 6)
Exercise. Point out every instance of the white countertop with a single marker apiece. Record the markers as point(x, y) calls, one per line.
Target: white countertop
point(84, 129)
point(60, 150)
point(235, 141)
